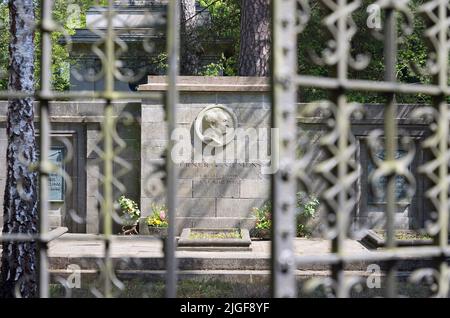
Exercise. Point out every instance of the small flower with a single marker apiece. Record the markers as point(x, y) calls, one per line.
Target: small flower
point(162, 215)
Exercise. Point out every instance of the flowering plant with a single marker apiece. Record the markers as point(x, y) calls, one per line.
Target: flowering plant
point(263, 216)
point(158, 218)
point(130, 211)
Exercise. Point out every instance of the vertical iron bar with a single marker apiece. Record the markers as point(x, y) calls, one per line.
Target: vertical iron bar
point(340, 100)
point(108, 127)
point(284, 69)
point(390, 122)
point(443, 195)
point(443, 128)
point(171, 169)
point(44, 141)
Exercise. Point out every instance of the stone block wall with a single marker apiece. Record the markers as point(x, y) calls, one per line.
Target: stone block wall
point(80, 123)
point(210, 195)
point(411, 215)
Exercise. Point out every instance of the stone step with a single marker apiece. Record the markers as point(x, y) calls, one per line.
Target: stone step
point(239, 276)
point(210, 263)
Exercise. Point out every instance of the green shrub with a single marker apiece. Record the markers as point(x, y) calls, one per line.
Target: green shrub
point(307, 206)
point(263, 216)
point(160, 63)
point(224, 67)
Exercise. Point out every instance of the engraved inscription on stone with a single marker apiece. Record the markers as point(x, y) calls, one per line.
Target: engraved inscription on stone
point(216, 188)
point(225, 170)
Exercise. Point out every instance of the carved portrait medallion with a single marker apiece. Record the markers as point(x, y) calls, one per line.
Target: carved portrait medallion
point(216, 125)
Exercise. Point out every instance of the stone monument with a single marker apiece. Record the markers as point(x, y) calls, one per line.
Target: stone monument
point(225, 123)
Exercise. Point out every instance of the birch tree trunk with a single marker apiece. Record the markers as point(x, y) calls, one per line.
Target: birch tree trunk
point(19, 268)
point(190, 45)
point(254, 54)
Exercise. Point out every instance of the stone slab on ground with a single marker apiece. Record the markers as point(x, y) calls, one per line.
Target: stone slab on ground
point(144, 253)
point(141, 253)
point(85, 245)
point(186, 243)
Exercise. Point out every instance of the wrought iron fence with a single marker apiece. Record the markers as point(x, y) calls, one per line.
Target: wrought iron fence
point(339, 170)
point(108, 47)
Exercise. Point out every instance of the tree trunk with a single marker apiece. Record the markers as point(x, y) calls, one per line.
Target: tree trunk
point(190, 46)
point(19, 268)
point(254, 52)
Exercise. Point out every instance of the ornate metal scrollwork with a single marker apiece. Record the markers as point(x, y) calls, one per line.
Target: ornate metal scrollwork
point(339, 170)
point(342, 29)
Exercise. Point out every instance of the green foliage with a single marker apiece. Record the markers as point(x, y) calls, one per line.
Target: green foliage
point(225, 16)
point(413, 49)
point(225, 67)
point(225, 24)
point(130, 210)
point(307, 206)
point(230, 66)
point(4, 44)
point(68, 15)
point(160, 63)
point(212, 69)
point(158, 217)
point(263, 216)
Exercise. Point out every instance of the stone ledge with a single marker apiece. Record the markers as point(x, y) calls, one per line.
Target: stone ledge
point(79, 111)
point(210, 84)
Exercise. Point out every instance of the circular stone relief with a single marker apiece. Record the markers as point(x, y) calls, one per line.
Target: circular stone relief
point(216, 125)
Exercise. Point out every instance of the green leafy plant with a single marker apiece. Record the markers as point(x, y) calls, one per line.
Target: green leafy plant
point(307, 206)
point(225, 22)
point(160, 63)
point(158, 217)
point(263, 216)
point(213, 69)
point(130, 211)
point(224, 67)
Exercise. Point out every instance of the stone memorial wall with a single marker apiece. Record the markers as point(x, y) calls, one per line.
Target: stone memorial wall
point(221, 176)
point(222, 148)
point(210, 194)
point(77, 125)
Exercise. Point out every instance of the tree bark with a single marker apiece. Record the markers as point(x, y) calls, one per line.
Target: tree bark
point(19, 268)
point(254, 52)
point(190, 46)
